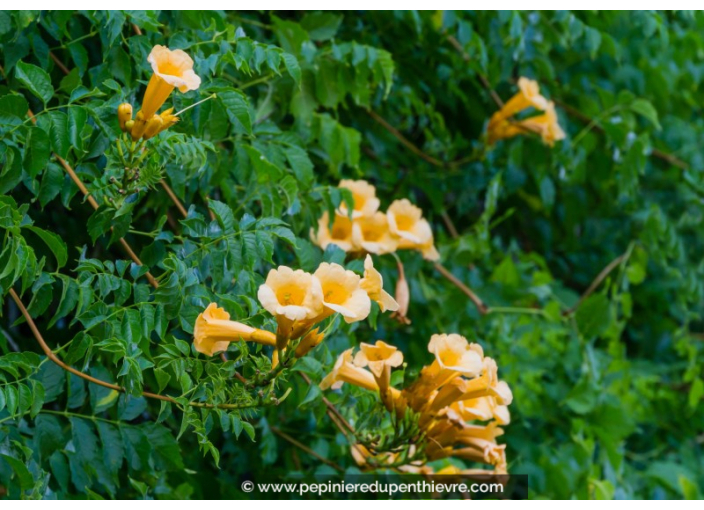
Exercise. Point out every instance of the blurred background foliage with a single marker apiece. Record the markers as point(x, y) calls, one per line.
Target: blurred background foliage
point(608, 388)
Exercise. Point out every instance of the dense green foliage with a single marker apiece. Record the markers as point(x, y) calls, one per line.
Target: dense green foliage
point(608, 390)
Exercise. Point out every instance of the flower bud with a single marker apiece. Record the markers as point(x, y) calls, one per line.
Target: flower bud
point(124, 114)
point(168, 118)
point(403, 297)
point(129, 125)
point(309, 342)
point(140, 124)
point(153, 127)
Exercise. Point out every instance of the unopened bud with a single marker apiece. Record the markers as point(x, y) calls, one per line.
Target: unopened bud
point(124, 114)
point(153, 127)
point(309, 342)
point(140, 125)
point(403, 297)
point(168, 118)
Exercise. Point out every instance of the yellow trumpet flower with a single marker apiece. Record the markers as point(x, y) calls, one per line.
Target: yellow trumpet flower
point(342, 293)
point(454, 356)
point(528, 95)
point(373, 285)
point(488, 384)
point(371, 234)
point(481, 409)
point(364, 195)
point(172, 69)
point(380, 358)
point(407, 223)
point(214, 330)
point(340, 234)
point(295, 295)
point(345, 372)
point(546, 125)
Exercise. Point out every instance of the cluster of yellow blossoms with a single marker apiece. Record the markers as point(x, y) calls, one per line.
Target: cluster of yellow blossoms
point(299, 301)
point(368, 230)
point(459, 388)
point(172, 69)
point(502, 125)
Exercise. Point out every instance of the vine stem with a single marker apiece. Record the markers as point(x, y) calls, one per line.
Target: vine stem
point(483, 309)
point(600, 278)
point(78, 182)
point(303, 447)
point(173, 198)
point(410, 146)
point(53, 357)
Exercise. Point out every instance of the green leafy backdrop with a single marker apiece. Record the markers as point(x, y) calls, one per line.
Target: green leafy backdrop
point(608, 387)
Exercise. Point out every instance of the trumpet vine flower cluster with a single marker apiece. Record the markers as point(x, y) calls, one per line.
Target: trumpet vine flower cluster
point(458, 399)
point(299, 301)
point(503, 125)
point(172, 69)
point(367, 230)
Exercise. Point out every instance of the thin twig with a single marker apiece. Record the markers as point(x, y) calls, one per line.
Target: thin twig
point(483, 309)
point(597, 281)
point(485, 82)
point(53, 357)
point(397, 134)
point(94, 204)
point(59, 63)
point(332, 410)
point(449, 224)
point(303, 447)
point(664, 156)
point(174, 198)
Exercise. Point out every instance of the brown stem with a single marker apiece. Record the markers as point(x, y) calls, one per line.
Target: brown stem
point(597, 281)
point(415, 150)
point(450, 225)
point(59, 63)
point(174, 198)
point(664, 156)
point(53, 357)
point(332, 411)
point(483, 309)
point(77, 181)
point(136, 29)
point(483, 79)
point(303, 447)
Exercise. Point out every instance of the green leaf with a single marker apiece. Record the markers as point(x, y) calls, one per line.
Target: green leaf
point(36, 80)
point(13, 110)
point(321, 26)
point(647, 110)
point(593, 316)
point(58, 133)
point(51, 184)
point(249, 429)
point(224, 215)
point(236, 104)
point(23, 475)
point(37, 151)
point(292, 66)
point(54, 242)
point(690, 490)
